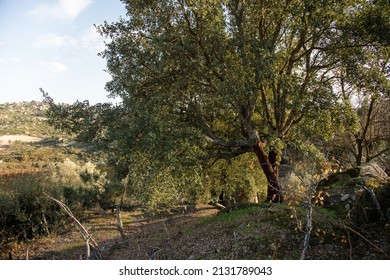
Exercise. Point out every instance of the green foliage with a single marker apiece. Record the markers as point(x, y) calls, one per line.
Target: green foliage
point(25, 211)
point(82, 186)
point(88, 121)
point(210, 79)
point(371, 22)
point(239, 179)
point(159, 185)
point(26, 118)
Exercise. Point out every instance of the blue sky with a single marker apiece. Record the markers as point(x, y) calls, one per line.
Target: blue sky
point(52, 44)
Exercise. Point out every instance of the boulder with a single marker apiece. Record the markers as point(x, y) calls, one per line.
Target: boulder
point(363, 199)
point(373, 170)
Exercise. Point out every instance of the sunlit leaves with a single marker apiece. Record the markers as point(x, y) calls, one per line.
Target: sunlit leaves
point(194, 73)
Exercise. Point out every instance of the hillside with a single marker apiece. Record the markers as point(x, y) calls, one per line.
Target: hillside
point(28, 141)
point(26, 118)
point(347, 225)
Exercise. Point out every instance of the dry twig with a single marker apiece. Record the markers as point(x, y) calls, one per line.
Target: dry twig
point(368, 241)
point(89, 241)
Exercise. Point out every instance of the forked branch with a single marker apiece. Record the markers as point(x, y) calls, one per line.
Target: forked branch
point(90, 243)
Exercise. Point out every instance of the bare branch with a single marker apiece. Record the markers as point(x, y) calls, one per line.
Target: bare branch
point(378, 154)
point(368, 241)
point(84, 233)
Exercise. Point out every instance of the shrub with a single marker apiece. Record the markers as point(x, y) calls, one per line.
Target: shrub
point(83, 186)
point(25, 212)
point(240, 179)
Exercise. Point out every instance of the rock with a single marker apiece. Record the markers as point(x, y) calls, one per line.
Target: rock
point(356, 198)
point(373, 170)
point(353, 172)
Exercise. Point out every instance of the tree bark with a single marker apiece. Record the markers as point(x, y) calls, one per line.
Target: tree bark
point(359, 154)
point(270, 168)
point(309, 228)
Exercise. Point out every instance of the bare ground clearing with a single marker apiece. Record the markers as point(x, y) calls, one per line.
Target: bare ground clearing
point(5, 140)
point(145, 236)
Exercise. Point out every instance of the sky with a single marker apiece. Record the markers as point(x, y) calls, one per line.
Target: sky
point(53, 44)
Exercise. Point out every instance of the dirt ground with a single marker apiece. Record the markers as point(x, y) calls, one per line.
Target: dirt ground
point(146, 238)
point(261, 232)
point(5, 140)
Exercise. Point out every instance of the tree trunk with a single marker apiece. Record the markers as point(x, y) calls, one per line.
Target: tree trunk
point(359, 154)
point(119, 223)
point(271, 170)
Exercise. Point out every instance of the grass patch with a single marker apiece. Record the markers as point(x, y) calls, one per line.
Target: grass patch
point(232, 216)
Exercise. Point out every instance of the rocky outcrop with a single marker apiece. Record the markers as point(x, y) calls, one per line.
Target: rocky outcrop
point(373, 170)
point(360, 195)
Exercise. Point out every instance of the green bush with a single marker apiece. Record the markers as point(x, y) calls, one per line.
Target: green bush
point(240, 179)
point(26, 212)
point(83, 186)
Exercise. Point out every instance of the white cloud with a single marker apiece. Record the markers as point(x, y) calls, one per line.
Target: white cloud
point(60, 10)
point(90, 35)
point(89, 40)
point(92, 40)
point(9, 60)
point(54, 40)
point(52, 67)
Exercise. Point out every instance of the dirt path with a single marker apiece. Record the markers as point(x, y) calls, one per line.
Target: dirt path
point(23, 138)
point(146, 238)
point(161, 238)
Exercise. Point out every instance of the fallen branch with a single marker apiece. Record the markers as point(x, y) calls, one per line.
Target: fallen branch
point(349, 241)
point(89, 241)
point(26, 252)
point(217, 205)
point(368, 241)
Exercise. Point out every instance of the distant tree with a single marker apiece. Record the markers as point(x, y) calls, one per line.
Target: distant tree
point(369, 137)
point(215, 79)
point(363, 82)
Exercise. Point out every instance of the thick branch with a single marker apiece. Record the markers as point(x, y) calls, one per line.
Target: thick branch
point(368, 159)
point(231, 144)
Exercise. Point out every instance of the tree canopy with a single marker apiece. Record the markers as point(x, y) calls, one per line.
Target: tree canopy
point(216, 79)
